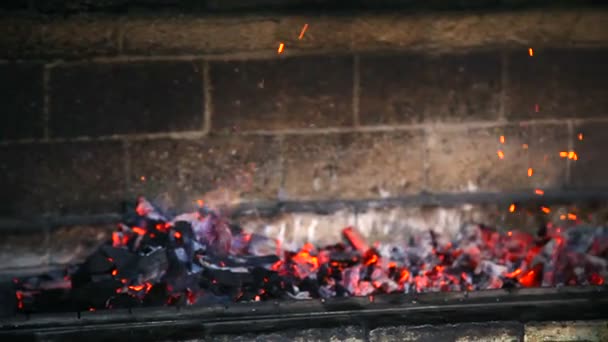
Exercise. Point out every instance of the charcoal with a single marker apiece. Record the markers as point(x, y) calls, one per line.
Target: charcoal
point(200, 258)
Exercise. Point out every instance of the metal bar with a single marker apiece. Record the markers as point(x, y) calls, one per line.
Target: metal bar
point(523, 305)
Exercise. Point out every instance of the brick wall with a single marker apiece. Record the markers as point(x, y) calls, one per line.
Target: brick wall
point(97, 110)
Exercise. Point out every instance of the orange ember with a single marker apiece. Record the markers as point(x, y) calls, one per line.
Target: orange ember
point(502, 139)
point(114, 272)
point(563, 154)
point(501, 154)
point(580, 136)
point(177, 235)
point(139, 230)
point(529, 279)
point(512, 208)
point(545, 210)
point(539, 192)
point(513, 274)
point(281, 48)
point(304, 28)
point(200, 203)
point(524, 146)
point(571, 216)
point(531, 52)
point(530, 172)
point(136, 287)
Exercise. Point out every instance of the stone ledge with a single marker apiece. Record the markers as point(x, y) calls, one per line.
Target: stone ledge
point(27, 37)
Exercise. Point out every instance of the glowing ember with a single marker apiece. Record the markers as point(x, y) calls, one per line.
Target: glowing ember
point(531, 52)
point(502, 139)
point(539, 192)
point(304, 28)
point(281, 48)
point(524, 146)
point(182, 265)
point(530, 172)
point(580, 136)
point(501, 154)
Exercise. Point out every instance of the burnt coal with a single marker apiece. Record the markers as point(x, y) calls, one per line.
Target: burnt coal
point(199, 258)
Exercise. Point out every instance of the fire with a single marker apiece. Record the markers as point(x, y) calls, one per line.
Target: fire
point(528, 279)
point(139, 230)
point(501, 154)
point(539, 192)
point(530, 172)
point(502, 139)
point(281, 48)
point(531, 52)
point(569, 154)
point(513, 274)
point(512, 208)
point(304, 28)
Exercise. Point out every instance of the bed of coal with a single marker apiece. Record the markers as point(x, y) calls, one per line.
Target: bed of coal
point(200, 259)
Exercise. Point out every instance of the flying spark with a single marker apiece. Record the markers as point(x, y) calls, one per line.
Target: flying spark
point(303, 31)
point(502, 139)
point(512, 208)
point(530, 172)
point(580, 136)
point(501, 154)
point(539, 192)
point(281, 48)
point(531, 52)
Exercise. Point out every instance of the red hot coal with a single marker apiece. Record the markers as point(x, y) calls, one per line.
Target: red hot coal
point(200, 258)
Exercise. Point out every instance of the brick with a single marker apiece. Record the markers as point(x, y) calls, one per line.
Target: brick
point(408, 88)
point(288, 93)
point(353, 165)
point(340, 334)
point(178, 172)
point(72, 245)
point(295, 229)
point(123, 98)
point(19, 251)
point(326, 33)
point(64, 178)
point(80, 37)
point(563, 83)
point(197, 35)
point(467, 160)
point(545, 144)
point(493, 331)
point(591, 168)
point(567, 331)
point(19, 37)
point(21, 96)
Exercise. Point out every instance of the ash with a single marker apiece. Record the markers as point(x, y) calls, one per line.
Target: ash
point(199, 258)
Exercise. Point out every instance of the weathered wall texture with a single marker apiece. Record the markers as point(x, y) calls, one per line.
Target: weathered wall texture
point(97, 110)
point(498, 332)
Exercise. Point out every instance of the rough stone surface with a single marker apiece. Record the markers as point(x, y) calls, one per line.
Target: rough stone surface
point(178, 172)
point(195, 35)
point(21, 96)
point(293, 93)
point(322, 33)
point(82, 36)
point(408, 88)
point(567, 331)
point(499, 332)
point(468, 160)
point(557, 84)
point(66, 178)
point(341, 334)
point(591, 167)
point(19, 37)
point(115, 98)
point(362, 165)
